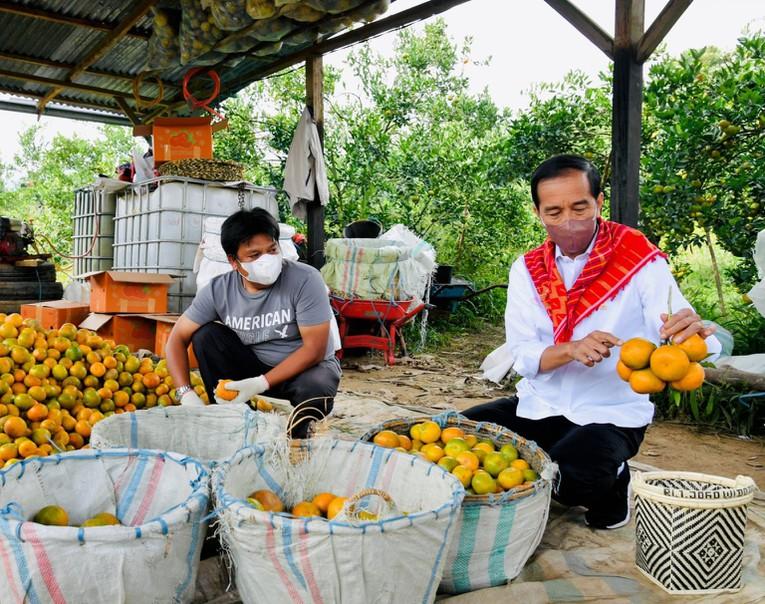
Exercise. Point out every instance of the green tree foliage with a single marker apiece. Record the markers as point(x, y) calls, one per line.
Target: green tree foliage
point(47, 173)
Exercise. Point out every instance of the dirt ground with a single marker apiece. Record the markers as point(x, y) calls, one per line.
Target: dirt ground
point(451, 377)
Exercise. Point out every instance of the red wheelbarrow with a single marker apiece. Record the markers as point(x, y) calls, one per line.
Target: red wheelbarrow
point(379, 321)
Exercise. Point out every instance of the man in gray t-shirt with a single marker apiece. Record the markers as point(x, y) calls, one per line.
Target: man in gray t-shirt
point(264, 325)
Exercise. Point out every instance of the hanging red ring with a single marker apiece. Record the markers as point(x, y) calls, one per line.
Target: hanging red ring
point(195, 103)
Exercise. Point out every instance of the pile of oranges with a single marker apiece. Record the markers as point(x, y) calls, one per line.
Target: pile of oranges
point(323, 505)
point(55, 385)
point(478, 464)
point(649, 368)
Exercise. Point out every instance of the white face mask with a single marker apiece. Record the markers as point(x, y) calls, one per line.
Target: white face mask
point(265, 270)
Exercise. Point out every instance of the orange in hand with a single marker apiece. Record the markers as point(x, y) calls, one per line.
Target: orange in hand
point(222, 392)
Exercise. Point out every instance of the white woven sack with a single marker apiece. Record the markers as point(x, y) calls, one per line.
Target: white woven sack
point(279, 558)
point(160, 499)
point(209, 434)
point(493, 542)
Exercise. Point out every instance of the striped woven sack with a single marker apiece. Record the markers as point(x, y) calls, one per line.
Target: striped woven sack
point(689, 530)
point(209, 434)
point(367, 269)
point(496, 533)
point(396, 556)
point(153, 556)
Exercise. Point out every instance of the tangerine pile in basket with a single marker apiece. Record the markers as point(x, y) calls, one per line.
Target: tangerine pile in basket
point(477, 463)
point(56, 384)
point(649, 369)
point(323, 505)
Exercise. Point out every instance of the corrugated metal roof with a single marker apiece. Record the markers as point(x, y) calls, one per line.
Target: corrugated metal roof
point(40, 48)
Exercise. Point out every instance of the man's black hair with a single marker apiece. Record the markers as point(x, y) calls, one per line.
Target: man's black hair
point(243, 225)
point(556, 166)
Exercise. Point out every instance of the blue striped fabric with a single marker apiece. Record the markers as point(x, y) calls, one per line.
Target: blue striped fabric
point(27, 586)
point(497, 574)
point(135, 480)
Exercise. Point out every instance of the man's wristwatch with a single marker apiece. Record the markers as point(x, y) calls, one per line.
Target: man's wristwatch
point(181, 390)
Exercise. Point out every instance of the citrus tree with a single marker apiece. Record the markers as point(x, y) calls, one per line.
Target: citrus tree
point(703, 173)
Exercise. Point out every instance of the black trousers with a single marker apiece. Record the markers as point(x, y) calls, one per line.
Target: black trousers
point(222, 355)
point(588, 456)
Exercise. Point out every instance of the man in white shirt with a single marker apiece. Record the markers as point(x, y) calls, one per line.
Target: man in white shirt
point(590, 286)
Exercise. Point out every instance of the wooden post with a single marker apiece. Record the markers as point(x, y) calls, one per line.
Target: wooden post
point(627, 112)
point(314, 88)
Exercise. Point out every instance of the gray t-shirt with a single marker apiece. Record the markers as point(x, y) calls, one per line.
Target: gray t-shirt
point(268, 320)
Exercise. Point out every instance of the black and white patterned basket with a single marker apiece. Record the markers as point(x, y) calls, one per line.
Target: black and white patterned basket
point(690, 530)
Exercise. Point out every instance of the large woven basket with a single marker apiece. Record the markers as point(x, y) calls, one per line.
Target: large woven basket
point(203, 169)
point(497, 532)
point(690, 530)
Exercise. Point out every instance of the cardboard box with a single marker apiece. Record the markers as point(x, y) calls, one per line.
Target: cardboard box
point(134, 331)
point(121, 292)
point(53, 314)
point(182, 138)
point(164, 327)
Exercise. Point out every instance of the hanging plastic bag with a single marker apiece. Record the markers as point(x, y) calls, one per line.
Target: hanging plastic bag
point(302, 13)
point(757, 293)
point(334, 7)
point(261, 9)
point(228, 15)
point(199, 33)
point(163, 51)
point(271, 30)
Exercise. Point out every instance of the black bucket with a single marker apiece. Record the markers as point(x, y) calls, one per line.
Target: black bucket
point(444, 273)
point(363, 229)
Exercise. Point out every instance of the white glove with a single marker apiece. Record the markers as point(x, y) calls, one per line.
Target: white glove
point(191, 399)
point(246, 388)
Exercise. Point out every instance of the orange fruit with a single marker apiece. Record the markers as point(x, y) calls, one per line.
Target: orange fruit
point(15, 427)
point(669, 363)
point(494, 463)
point(387, 439)
point(636, 353)
point(83, 428)
point(695, 347)
point(8, 451)
point(52, 515)
point(430, 432)
point(644, 381)
point(484, 446)
point(510, 478)
point(98, 369)
point(693, 379)
point(432, 452)
point(27, 448)
point(268, 499)
point(623, 371)
point(225, 394)
point(455, 446)
point(448, 463)
point(469, 460)
point(519, 464)
point(464, 474)
point(76, 440)
point(151, 380)
point(37, 412)
point(335, 507)
point(414, 432)
point(451, 432)
point(483, 482)
point(305, 509)
point(404, 442)
point(322, 501)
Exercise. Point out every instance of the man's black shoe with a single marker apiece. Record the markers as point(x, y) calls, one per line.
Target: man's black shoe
point(613, 510)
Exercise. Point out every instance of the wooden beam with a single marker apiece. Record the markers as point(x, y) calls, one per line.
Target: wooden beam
point(102, 118)
point(397, 21)
point(661, 26)
point(132, 116)
point(627, 112)
point(53, 17)
point(42, 62)
point(115, 35)
point(314, 92)
point(30, 77)
point(586, 26)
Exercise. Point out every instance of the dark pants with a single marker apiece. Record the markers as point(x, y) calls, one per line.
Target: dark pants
point(222, 355)
point(588, 456)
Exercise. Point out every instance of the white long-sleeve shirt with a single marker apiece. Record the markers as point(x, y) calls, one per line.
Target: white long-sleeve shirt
point(584, 394)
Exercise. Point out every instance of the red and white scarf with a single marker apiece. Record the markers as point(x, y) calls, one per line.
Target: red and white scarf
point(618, 254)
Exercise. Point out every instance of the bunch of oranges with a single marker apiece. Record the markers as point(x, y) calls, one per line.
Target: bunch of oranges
point(323, 505)
point(649, 368)
point(479, 465)
point(55, 385)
